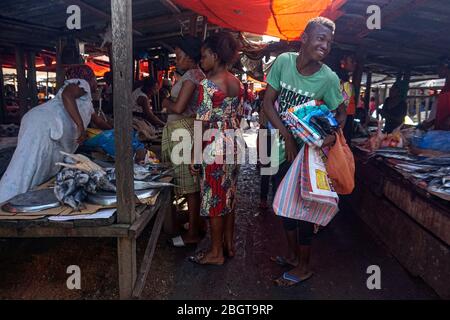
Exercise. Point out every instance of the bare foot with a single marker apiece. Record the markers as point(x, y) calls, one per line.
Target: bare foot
point(229, 250)
point(207, 258)
point(285, 261)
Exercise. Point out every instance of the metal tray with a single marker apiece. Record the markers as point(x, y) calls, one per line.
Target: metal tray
point(32, 201)
point(105, 198)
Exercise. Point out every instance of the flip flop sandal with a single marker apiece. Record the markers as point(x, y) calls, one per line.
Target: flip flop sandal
point(293, 280)
point(282, 261)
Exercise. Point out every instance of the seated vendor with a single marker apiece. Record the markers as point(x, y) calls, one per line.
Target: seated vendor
point(57, 125)
point(394, 109)
point(441, 120)
point(142, 103)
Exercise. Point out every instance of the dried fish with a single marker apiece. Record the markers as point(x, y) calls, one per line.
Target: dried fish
point(81, 179)
point(398, 156)
point(437, 161)
point(437, 188)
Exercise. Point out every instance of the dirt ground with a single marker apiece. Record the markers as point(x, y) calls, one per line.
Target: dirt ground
point(36, 268)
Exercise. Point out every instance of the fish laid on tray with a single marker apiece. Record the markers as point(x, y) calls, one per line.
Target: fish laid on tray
point(436, 161)
point(440, 187)
point(79, 177)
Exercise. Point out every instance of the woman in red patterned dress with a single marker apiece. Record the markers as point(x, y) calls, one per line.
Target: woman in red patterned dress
point(220, 109)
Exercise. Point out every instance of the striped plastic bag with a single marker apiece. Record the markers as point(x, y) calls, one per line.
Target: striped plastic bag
point(289, 203)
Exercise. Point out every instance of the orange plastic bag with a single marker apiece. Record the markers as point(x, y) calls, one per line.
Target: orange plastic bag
point(341, 166)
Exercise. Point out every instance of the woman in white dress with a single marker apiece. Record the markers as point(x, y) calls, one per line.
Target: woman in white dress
point(57, 125)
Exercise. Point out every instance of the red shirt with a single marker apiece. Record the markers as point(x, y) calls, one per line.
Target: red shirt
point(443, 108)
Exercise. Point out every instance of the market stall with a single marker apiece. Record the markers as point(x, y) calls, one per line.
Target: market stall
point(124, 212)
point(403, 196)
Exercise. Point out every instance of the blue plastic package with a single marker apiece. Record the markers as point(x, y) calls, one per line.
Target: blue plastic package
point(105, 141)
point(433, 140)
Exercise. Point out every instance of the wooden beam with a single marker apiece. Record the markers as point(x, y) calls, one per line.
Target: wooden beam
point(166, 19)
point(112, 231)
point(122, 54)
point(367, 93)
point(21, 81)
point(393, 14)
point(171, 6)
point(357, 75)
point(31, 76)
point(151, 245)
point(193, 26)
point(59, 67)
point(2, 94)
point(204, 28)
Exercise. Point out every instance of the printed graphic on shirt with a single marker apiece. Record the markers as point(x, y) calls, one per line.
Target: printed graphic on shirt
point(292, 97)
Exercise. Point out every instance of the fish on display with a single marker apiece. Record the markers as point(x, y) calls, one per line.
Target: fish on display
point(437, 161)
point(438, 188)
point(398, 156)
point(392, 150)
point(411, 167)
point(141, 172)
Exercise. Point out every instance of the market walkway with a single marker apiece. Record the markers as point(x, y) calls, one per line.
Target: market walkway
point(342, 253)
point(36, 268)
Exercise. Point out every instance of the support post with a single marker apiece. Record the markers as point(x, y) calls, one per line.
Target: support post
point(122, 55)
point(2, 96)
point(31, 75)
point(59, 67)
point(357, 75)
point(204, 28)
point(368, 88)
point(193, 26)
point(21, 81)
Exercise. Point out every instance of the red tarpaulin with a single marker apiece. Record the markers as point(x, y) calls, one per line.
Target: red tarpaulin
point(285, 19)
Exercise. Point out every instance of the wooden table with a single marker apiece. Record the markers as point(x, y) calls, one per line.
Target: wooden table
point(128, 275)
point(413, 224)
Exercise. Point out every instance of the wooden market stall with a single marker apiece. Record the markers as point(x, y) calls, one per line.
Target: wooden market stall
point(411, 222)
point(136, 26)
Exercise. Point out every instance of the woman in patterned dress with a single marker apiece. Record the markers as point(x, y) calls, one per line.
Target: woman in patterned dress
point(220, 109)
point(181, 108)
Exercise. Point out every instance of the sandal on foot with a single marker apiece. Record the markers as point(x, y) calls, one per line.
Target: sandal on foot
point(282, 261)
point(289, 280)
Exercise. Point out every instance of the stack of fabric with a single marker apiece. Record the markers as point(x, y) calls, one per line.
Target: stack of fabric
point(310, 122)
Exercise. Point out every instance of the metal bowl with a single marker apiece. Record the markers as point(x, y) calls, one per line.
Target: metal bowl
point(105, 198)
point(32, 201)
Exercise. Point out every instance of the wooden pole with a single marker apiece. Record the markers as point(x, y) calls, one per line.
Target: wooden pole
point(122, 54)
point(59, 67)
point(2, 96)
point(368, 88)
point(21, 80)
point(205, 28)
point(357, 75)
point(136, 70)
point(193, 26)
point(31, 75)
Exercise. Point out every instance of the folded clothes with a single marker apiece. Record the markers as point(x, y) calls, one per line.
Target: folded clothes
point(310, 122)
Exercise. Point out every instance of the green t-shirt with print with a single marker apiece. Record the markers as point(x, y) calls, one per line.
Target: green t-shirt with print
point(295, 89)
